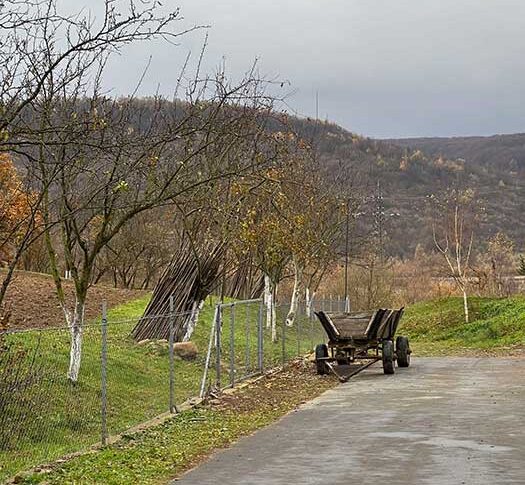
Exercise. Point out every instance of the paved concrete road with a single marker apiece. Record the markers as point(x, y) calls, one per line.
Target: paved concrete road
point(442, 421)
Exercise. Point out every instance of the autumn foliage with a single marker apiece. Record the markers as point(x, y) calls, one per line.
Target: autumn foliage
point(15, 207)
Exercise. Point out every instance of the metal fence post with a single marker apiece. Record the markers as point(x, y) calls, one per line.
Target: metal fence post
point(103, 389)
point(298, 324)
point(232, 345)
point(173, 407)
point(248, 343)
point(260, 338)
point(218, 325)
point(208, 355)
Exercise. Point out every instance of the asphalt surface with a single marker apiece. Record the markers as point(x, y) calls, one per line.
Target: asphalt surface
point(441, 421)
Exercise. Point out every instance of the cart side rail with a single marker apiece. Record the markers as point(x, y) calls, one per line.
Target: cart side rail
point(379, 331)
point(389, 326)
point(379, 318)
point(329, 327)
point(397, 320)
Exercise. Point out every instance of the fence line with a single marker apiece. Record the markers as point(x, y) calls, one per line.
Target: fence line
point(124, 383)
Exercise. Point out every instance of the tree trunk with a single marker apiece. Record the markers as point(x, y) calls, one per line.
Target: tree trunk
point(465, 305)
point(295, 295)
point(309, 303)
point(268, 300)
point(269, 303)
point(192, 321)
point(75, 322)
point(370, 285)
point(273, 317)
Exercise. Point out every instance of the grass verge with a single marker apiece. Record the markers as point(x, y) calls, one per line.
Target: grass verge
point(49, 417)
point(496, 327)
point(164, 452)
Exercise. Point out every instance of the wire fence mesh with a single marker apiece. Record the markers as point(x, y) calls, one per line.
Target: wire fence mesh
point(123, 383)
point(247, 338)
point(42, 414)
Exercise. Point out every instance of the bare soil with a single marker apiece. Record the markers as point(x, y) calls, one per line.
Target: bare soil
point(32, 300)
point(297, 383)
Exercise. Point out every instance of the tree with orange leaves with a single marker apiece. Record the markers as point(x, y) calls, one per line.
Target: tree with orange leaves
point(15, 208)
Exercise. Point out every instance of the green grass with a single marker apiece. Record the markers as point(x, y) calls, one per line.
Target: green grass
point(52, 417)
point(160, 453)
point(437, 327)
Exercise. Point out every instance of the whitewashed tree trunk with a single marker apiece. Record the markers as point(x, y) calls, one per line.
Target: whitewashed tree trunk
point(268, 300)
point(75, 322)
point(294, 303)
point(193, 319)
point(465, 305)
point(274, 319)
point(309, 302)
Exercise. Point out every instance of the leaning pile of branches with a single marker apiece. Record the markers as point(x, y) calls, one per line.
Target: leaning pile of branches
point(190, 278)
point(245, 281)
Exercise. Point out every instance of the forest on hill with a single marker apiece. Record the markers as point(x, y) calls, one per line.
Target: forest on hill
point(409, 171)
point(494, 167)
point(497, 152)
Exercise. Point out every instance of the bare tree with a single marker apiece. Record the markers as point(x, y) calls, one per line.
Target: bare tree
point(496, 264)
point(131, 158)
point(95, 162)
point(455, 216)
point(45, 52)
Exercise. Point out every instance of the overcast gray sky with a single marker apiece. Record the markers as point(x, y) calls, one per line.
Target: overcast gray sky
point(383, 68)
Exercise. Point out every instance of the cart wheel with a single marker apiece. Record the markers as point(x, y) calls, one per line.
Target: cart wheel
point(402, 351)
point(388, 357)
point(321, 351)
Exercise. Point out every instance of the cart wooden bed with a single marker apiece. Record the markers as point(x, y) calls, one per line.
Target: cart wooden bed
point(362, 336)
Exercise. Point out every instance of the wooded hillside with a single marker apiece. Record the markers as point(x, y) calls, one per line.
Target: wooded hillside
point(411, 170)
point(493, 166)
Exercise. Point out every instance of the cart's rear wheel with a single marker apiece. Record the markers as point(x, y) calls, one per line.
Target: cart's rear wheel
point(321, 352)
point(388, 357)
point(402, 351)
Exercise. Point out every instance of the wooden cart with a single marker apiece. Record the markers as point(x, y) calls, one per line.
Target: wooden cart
point(361, 335)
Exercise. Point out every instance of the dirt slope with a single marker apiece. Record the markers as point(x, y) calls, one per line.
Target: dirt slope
point(32, 300)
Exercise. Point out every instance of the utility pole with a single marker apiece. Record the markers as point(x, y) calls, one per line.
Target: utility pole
point(347, 239)
point(379, 216)
point(317, 106)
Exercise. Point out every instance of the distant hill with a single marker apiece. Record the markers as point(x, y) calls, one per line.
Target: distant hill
point(501, 152)
point(410, 170)
point(494, 167)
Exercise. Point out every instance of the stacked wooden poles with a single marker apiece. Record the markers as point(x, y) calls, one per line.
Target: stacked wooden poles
point(190, 278)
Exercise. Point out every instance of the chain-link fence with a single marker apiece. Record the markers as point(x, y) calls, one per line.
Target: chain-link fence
point(43, 415)
point(123, 383)
point(248, 337)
